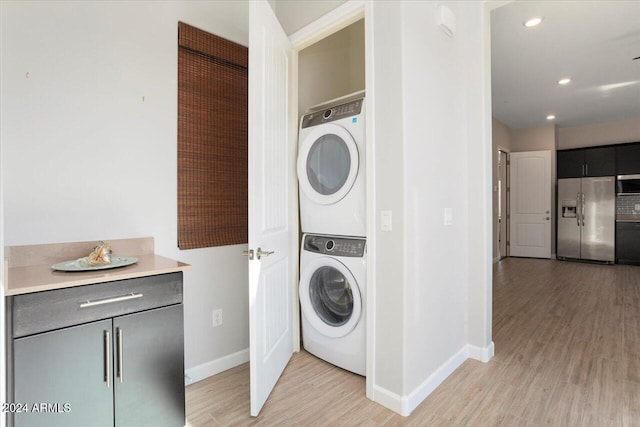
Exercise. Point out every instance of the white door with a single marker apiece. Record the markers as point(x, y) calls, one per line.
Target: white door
point(272, 230)
point(530, 204)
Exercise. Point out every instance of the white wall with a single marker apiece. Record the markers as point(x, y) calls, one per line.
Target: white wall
point(331, 68)
point(433, 139)
point(89, 141)
point(612, 132)
point(390, 247)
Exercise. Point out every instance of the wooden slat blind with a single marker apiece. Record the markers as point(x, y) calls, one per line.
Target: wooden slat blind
point(212, 140)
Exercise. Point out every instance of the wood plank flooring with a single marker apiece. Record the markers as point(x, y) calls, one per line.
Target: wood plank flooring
point(567, 340)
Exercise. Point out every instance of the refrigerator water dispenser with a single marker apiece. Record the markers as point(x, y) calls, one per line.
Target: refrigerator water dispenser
point(569, 208)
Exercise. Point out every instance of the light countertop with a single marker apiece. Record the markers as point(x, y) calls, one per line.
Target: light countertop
point(22, 276)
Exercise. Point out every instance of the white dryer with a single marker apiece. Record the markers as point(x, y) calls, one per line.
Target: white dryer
point(332, 298)
point(331, 169)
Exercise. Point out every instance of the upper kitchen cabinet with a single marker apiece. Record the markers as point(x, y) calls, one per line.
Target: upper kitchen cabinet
point(600, 161)
point(570, 164)
point(628, 159)
point(597, 161)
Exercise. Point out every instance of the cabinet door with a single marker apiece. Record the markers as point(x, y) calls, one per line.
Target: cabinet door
point(69, 366)
point(600, 161)
point(628, 159)
point(149, 368)
point(627, 248)
point(570, 164)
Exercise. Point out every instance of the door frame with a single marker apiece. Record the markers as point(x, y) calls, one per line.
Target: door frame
point(334, 21)
point(506, 189)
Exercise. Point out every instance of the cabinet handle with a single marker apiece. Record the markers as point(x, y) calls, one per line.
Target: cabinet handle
point(90, 303)
point(107, 353)
point(120, 361)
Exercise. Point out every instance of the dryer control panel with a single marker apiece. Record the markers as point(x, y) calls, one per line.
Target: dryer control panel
point(336, 246)
point(338, 112)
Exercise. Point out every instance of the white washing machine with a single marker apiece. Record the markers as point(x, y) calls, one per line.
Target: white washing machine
point(332, 297)
point(331, 168)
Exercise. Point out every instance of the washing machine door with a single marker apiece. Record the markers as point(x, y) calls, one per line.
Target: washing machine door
point(330, 297)
point(327, 163)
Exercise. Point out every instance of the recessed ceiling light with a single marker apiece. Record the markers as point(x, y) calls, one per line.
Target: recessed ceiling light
point(551, 117)
point(564, 81)
point(532, 22)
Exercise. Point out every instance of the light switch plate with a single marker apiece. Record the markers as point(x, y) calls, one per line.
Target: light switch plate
point(636, 207)
point(386, 221)
point(448, 216)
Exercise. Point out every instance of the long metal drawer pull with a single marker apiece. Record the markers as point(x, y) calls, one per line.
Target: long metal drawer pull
point(109, 300)
point(120, 361)
point(107, 352)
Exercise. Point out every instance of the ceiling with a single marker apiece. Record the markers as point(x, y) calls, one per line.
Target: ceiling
point(295, 14)
point(592, 42)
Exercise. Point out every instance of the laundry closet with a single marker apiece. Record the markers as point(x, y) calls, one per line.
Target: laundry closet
point(331, 177)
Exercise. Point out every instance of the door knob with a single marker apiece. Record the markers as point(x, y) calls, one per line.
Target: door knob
point(260, 253)
point(248, 253)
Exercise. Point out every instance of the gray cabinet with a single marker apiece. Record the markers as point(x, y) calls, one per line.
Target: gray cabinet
point(122, 366)
point(148, 372)
point(64, 367)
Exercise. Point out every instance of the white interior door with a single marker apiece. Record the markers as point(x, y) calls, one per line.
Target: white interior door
point(530, 204)
point(271, 195)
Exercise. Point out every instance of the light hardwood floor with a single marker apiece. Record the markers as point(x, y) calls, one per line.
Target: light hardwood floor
point(567, 340)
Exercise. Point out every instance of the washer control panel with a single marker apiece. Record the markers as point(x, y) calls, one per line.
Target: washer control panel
point(338, 112)
point(336, 246)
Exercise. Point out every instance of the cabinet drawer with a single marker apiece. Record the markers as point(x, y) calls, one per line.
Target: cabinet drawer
point(49, 310)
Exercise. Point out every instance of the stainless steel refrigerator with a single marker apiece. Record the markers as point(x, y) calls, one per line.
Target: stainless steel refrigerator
point(586, 218)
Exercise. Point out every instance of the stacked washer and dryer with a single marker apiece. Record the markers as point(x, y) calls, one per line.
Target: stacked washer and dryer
point(331, 175)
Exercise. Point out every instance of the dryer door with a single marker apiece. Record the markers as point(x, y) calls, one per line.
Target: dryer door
point(327, 163)
point(330, 297)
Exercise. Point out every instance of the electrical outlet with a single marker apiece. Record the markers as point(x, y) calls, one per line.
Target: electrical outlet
point(216, 316)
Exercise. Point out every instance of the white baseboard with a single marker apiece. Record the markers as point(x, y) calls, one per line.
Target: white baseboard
point(404, 405)
point(388, 399)
point(205, 370)
point(483, 354)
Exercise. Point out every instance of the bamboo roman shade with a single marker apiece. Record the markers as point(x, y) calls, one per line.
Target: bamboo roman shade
point(212, 140)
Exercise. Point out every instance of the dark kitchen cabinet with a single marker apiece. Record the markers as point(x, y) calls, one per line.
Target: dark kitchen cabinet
point(596, 161)
point(628, 159)
point(570, 164)
point(627, 246)
point(600, 161)
point(109, 354)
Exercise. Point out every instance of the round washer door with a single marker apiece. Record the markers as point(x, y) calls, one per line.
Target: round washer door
point(327, 163)
point(330, 297)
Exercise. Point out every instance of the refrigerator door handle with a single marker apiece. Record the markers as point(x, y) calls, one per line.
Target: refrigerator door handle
point(583, 209)
point(578, 210)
